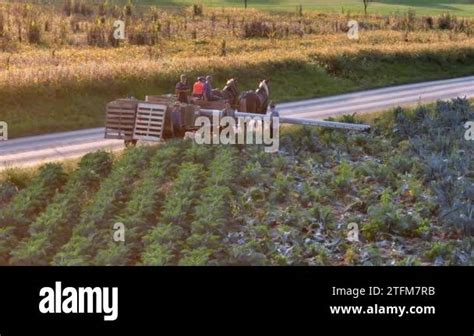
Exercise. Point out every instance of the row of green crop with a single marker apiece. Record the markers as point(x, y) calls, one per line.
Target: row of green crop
point(53, 227)
point(95, 226)
point(163, 243)
point(262, 201)
point(140, 214)
point(16, 216)
point(213, 212)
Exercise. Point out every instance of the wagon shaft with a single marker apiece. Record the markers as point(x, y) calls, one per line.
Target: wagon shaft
point(323, 123)
point(310, 122)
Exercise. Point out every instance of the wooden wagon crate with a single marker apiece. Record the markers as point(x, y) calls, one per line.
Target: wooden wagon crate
point(187, 112)
point(150, 121)
point(120, 119)
point(169, 101)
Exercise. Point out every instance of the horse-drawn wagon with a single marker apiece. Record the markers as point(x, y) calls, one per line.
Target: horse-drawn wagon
point(161, 117)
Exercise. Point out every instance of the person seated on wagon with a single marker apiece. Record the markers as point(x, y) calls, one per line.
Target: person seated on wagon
point(198, 87)
point(182, 89)
point(208, 95)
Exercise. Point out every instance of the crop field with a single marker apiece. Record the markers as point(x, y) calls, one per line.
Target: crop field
point(408, 185)
point(64, 56)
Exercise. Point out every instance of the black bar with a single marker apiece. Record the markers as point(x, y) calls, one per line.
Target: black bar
point(157, 300)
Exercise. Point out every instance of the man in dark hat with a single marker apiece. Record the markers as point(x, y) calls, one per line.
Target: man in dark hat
point(182, 89)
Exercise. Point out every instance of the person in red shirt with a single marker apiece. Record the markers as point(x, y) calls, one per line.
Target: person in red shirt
point(198, 88)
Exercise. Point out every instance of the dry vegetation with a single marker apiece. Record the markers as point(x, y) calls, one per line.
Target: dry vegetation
point(75, 65)
point(43, 45)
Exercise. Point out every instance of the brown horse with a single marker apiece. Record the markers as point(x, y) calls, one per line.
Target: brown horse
point(256, 101)
point(229, 92)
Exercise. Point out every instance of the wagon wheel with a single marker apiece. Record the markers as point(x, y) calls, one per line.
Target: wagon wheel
point(130, 143)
